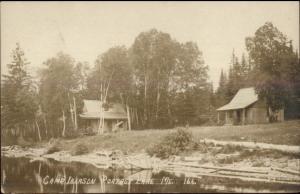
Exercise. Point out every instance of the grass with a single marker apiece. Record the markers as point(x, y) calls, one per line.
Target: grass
point(174, 143)
point(79, 149)
point(287, 133)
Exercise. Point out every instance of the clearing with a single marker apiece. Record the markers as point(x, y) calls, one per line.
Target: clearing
point(285, 133)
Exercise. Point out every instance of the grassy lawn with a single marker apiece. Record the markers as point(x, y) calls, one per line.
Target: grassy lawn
point(135, 141)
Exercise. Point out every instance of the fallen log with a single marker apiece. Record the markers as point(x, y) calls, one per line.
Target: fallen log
point(140, 165)
point(192, 159)
point(269, 178)
point(219, 168)
point(237, 177)
point(287, 171)
point(283, 148)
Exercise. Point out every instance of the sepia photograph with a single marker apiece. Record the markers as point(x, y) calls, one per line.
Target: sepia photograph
point(150, 97)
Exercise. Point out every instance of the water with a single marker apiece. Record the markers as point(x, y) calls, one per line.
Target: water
point(21, 175)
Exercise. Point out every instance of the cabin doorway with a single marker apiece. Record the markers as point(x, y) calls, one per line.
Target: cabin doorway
point(238, 116)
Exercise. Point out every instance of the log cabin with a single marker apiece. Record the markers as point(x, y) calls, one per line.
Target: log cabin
point(114, 114)
point(246, 108)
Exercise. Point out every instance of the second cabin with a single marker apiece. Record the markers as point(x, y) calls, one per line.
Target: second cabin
point(246, 108)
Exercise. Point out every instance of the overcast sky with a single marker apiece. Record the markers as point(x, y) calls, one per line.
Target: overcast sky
point(86, 29)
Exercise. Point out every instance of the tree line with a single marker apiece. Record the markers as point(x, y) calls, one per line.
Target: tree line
point(272, 67)
point(163, 82)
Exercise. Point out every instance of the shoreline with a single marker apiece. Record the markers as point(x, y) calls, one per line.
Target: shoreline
point(195, 164)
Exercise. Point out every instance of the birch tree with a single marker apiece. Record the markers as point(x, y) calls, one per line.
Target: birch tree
point(57, 84)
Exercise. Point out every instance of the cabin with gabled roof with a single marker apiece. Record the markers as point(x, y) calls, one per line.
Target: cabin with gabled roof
point(246, 108)
point(114, 114)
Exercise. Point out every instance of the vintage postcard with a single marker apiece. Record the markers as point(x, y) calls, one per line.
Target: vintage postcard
point(150, 97)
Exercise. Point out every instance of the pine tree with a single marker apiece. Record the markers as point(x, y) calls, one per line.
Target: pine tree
point(18, 96)
point(221, 91)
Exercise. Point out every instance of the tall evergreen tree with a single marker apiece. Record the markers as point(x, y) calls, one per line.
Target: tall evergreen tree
point(221, 92)
point(18, 95)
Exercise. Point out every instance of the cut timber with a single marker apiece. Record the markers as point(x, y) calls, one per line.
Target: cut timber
point(192, 159)
point(265, 177)
point(141, 165)
point(219, 168)
point(287, 171)
point(144, 175)
point(235, 177)
point(283, 148)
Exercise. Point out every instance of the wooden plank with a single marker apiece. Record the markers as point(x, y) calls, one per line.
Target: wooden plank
point(239, 177)
point(283, 148)
point(219, 168)
point(287, 171)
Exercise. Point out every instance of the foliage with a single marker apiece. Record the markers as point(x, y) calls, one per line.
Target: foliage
point(173, 144)
point(57, 84)
point(22, 142)
point(79, 149)
point(113, 71)
point(164, 70)
point(163, 80)
point(71, 133)
point(271, 67)
point(239, 76)
point(55, 146)
point(18, 94)
point(274, 61)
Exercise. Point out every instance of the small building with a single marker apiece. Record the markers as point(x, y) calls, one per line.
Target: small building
point(114, 115)
point(246, 108)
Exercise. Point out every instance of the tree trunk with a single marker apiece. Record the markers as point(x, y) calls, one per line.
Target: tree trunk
point(169, 113)
point(71, 114)
point(64, 123)
point(128, 118)
point(101, 100)
point(75, 113)
point(46, 130)
point(71, 110)
point(157, 101)
point(136, 116)
point(145, 99)
point(38, 128)
point(101, 124)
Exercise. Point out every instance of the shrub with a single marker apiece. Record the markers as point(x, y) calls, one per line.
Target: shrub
point(79, 149)
point(55, 146)
point(22, 142)
point(71, 134)
point(173, 144)
point(229, 149)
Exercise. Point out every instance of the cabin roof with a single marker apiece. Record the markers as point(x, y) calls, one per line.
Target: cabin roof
point(243, 98)
point(91, 110)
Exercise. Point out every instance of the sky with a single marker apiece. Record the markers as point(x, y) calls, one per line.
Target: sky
point(87, 29)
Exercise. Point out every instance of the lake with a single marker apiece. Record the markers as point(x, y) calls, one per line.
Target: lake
point(24, 175)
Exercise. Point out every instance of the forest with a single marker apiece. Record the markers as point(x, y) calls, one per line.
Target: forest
point(164, 82)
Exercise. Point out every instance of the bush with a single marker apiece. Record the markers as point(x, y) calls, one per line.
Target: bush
point(55, 146)
point(72, 134)
point(229, 149)
point(22, 142)
point(79, 149)
point(173, 144)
